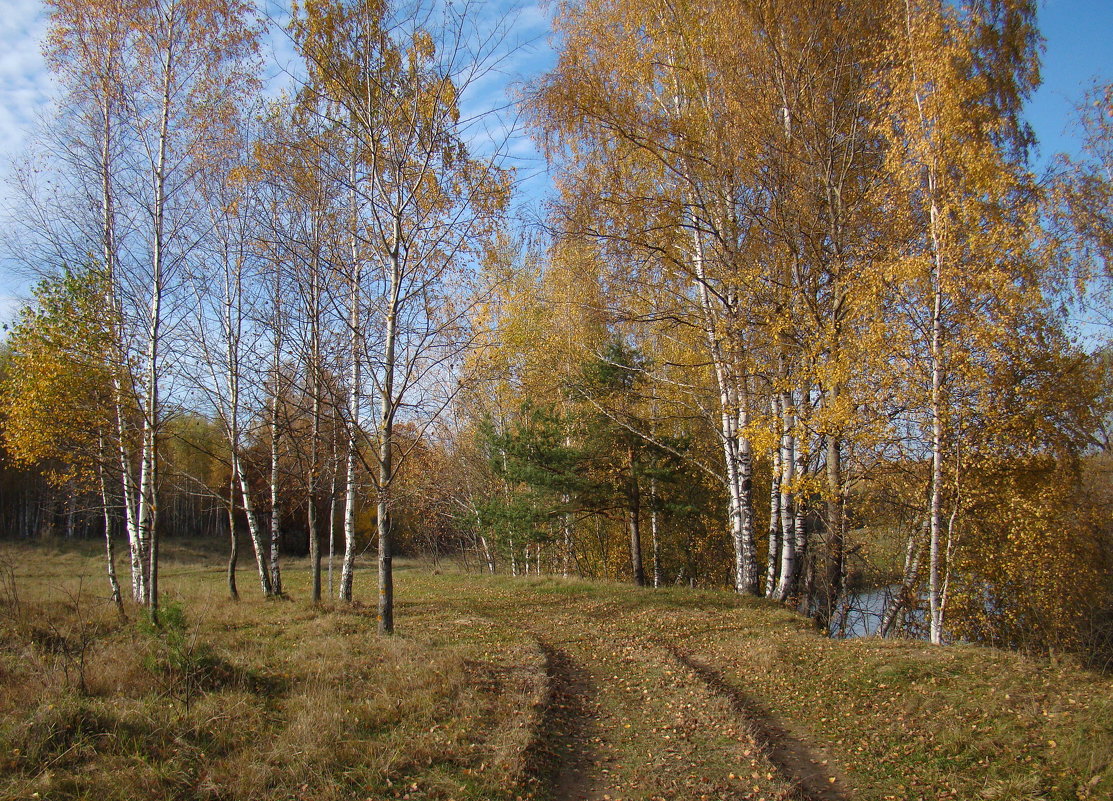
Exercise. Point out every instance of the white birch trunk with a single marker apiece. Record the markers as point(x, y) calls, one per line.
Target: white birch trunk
point(787, 580)
point(253, 528)
point(276, 434)
point(483, 544)
point(333, 503)
point(110, 554)
point(634, 522)
point(773, 559)
point(131, 511)
point(314, 448)
point(355, 377)
point(127, 476)
point(799, 519)
point(276, 506)
point(655, 533)
point(386, 439)
point(905, 596)
point(232, 324)
point(109, 254)
point(732, 419)
point(348, 565)
point(148, 475)
point(276, 500)
point(936, 501)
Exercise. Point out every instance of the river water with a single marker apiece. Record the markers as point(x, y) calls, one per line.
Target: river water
point(864, 611)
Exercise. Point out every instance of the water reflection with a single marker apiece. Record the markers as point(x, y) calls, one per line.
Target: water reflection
point(863, 611)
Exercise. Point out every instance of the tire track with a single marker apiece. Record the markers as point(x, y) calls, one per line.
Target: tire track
point(559, 760)
point(798, 763)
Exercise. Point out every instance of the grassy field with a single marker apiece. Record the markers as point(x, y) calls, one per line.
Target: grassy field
point(499, 688)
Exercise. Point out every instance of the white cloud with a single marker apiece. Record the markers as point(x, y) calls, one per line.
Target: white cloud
point(26, 88)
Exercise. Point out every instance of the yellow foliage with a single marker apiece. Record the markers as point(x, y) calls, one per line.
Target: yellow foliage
point(55, 399)
point(1030, 564)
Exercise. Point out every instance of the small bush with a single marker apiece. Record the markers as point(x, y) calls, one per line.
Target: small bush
point(185, 665)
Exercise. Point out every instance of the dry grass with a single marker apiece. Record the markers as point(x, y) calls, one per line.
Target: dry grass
point(283, 700)
point(255, 700)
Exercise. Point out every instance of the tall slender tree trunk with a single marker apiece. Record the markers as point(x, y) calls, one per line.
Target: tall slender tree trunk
point(386, 439)
point(312, 514)
point(506, 497)
point(787, 580)
point(315, 432)
point(385, 524)
point(936, 502)
point(731, 382)
point(233, 543)
point(905, 596)
point(276, 500)
point(733, 418)
point(276, 435)
point(347, 567)
point(799, 519)
point(773, 559)
point(833, 523)
point(334, 498)
point(233, 323)
point(148, 477)
point(746, 574)
point(633, 518)
point(354, 393)
point(253, 528)
point(110, 554)
point(935, 499)
point(131, 511)
point(487, 554)
point(488, 557)
point(654, 516)
point(109, 255)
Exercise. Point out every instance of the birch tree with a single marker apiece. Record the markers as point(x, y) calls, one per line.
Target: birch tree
point(145, 80)
point(226, 331)
point(959, 77)
point(297, 159)
point(422, 204)
point(719, 152)
point(629, 90)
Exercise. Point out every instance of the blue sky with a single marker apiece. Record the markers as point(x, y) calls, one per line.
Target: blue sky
point(1078, 50)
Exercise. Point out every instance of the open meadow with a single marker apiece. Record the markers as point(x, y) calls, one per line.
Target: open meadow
point(501, 688)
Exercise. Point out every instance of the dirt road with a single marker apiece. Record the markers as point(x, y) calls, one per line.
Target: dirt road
point(634, 711)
